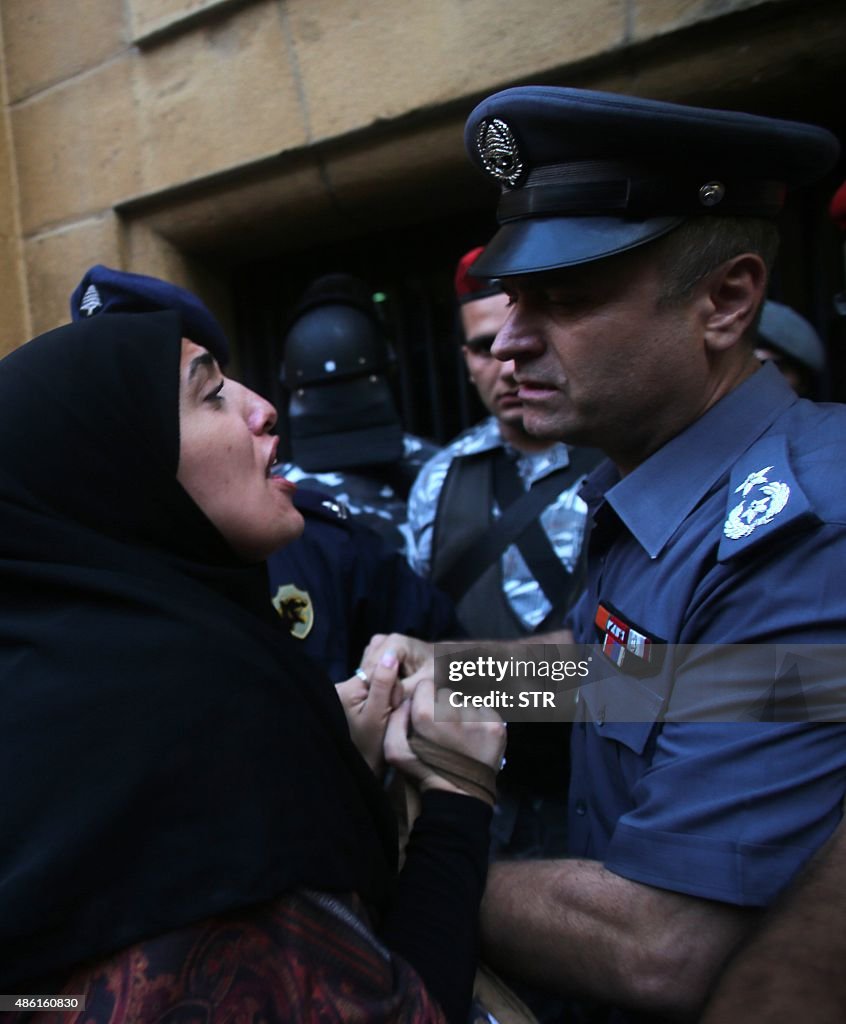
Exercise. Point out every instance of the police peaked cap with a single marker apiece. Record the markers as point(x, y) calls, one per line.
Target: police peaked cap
point(589, 174)
point(782, 328)
point(104, 290)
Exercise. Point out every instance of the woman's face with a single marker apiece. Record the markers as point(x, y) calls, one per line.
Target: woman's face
point(225, 454)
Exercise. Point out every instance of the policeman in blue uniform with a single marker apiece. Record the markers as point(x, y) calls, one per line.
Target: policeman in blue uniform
point(339, 583)
point(635, 242)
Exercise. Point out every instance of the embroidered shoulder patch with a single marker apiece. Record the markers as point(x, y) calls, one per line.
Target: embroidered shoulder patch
point(761, 501)
point(764, 499)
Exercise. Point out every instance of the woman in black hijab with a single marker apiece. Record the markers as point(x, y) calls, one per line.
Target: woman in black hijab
point(184, 818)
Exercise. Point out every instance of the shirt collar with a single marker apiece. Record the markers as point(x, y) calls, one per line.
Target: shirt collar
point(486, 436)
point(656, 498)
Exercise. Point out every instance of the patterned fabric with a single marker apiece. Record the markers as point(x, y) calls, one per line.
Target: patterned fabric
point(305, 957)
point(563, 520)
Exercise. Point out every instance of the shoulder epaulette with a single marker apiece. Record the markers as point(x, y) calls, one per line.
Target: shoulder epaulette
point(321, 505)
point(764, 498)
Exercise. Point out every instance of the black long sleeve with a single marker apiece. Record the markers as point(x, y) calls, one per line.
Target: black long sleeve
point(434, 920)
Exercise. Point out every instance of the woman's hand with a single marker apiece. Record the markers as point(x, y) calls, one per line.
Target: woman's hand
point(428, 713)
point(367, 701)
point(411, 653)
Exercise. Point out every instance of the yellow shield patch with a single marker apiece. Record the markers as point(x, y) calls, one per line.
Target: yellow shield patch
point(295, 609)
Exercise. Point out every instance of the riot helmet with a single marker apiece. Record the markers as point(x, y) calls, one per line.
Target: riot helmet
point(341, 411)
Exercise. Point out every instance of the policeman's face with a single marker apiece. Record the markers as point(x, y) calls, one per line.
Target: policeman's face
point(225, 454)
point(600, 361)
point(494, 379)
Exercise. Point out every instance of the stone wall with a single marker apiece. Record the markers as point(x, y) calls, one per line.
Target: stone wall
point(174, 136)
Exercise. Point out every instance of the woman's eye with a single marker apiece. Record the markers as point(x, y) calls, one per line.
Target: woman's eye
point(216, 395)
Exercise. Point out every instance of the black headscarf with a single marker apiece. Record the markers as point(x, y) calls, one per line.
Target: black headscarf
point(165, 751)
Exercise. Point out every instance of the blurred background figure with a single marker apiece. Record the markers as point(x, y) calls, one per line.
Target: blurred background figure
point(345, 433)
point(791, 343)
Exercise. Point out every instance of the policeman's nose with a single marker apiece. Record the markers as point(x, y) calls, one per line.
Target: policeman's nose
point(517, 339)
point(506, 342)
point(507, 368)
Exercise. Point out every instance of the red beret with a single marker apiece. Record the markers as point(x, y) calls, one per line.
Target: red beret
point(469, 288)
point(837, 208)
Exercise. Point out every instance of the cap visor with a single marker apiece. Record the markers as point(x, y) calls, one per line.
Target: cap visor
point(547, 243)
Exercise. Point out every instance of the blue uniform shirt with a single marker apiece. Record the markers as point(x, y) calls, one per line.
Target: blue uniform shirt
point(732, 533)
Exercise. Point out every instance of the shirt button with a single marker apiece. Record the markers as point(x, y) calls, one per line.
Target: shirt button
point(580, 808)
point(600, 717)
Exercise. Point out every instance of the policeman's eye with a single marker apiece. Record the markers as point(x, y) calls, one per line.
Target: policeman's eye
point(481, 346)
point(562, 297)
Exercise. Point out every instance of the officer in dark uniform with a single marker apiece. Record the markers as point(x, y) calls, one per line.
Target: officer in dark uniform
point(635, 242)
point(346, 436)
point(339, 583)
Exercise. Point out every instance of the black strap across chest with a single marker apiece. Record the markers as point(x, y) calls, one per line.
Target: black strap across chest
point(519, 523)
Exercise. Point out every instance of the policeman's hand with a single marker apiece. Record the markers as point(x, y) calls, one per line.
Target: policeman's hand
point(468, 731)
point(366, 699)
point(412, 653)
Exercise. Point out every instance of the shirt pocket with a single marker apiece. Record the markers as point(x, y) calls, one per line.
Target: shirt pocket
point(622, 708)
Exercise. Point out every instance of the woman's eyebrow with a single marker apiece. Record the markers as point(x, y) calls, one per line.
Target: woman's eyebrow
point(203, 361)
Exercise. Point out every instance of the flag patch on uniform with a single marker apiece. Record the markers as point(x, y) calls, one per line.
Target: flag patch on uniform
point(623, 643)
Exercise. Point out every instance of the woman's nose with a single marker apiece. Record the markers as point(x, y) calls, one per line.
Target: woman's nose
point(262, 415)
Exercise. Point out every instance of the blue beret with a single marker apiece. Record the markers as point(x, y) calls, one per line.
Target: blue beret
point(589, 174)
point(782, 328)
point(103, 290)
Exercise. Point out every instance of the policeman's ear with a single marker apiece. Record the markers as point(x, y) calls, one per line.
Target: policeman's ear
point(732, 293)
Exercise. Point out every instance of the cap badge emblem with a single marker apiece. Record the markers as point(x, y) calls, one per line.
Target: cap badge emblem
point(91, 301)
point(712, 193)
point(498, 150)
point(769, 499)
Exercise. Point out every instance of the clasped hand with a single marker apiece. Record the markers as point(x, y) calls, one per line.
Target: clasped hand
point(386, 707)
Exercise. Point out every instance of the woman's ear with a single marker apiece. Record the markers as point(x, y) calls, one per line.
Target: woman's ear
point(736, 289)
